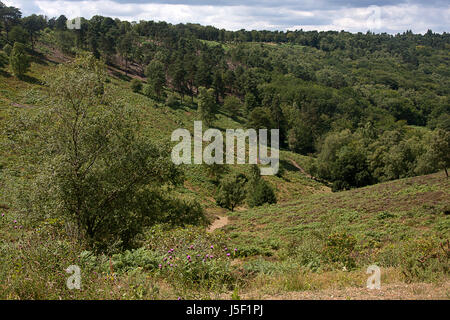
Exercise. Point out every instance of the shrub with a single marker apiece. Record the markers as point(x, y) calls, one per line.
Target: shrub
point(259, 191)
point(338, 250)
point(147, 90)
point(136, 85)
point(425, 259)
point(172, 100)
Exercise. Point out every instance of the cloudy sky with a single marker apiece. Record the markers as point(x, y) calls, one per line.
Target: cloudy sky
point(350, 15)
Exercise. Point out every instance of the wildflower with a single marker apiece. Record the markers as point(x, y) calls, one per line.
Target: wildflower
point(212, 247)
point(189, 257)
point(235, 249)
point(179, 298)
point(228, 254)
point(165, 259)
point(226, 249)
point(15, 221)
point(160, 266)
point(170, 257)
point(3, 214)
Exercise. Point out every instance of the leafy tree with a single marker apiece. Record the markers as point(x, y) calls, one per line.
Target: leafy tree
point(440, 148)
point(156, 76)
point(61, 23)
point(9, 16)
point(231, 192)
point(232, 104)
point(19, 61)
point(207, 105)
point(94, 170)
point(125, 48)
point(18, 34)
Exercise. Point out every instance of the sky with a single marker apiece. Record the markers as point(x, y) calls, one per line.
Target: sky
point(350, 15)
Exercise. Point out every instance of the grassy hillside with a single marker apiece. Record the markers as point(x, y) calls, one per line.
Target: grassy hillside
point(159, 122)
point(311, 241)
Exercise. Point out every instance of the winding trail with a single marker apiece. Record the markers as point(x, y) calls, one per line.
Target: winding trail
point(222, 221)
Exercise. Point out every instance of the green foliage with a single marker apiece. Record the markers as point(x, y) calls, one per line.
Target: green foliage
point(339, 248)
point(19, 60)
point(231, 191)
point(3, 60)
point(233, 105)
point(7, 49)
point(425, 259)
point(18, 34)
point(98, 174)
point(206, 105)
point(156, 76)
point(136, 85)
point(259, 191)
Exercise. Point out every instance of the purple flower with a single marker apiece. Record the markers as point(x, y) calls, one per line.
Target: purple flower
point(179, 298)
point(3, 214)
point(226, 249)
point(170, 257)
point(228, 254)
point(165, 259)
point(160, 266)
point(15, 221)
point(235, 249)
point(189, 257)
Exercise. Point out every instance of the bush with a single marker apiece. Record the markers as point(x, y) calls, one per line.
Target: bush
point(147, 90)
point(338, 250)
point(172, 101)
point(259, 191)
point(231, 191)
point(260, 194)
point(425, 259)
point(136, 85)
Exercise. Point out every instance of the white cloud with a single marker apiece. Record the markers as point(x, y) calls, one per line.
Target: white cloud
point(386, 18)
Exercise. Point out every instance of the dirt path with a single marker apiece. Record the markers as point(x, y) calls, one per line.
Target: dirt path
point(218, 223)
point(400, 291)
